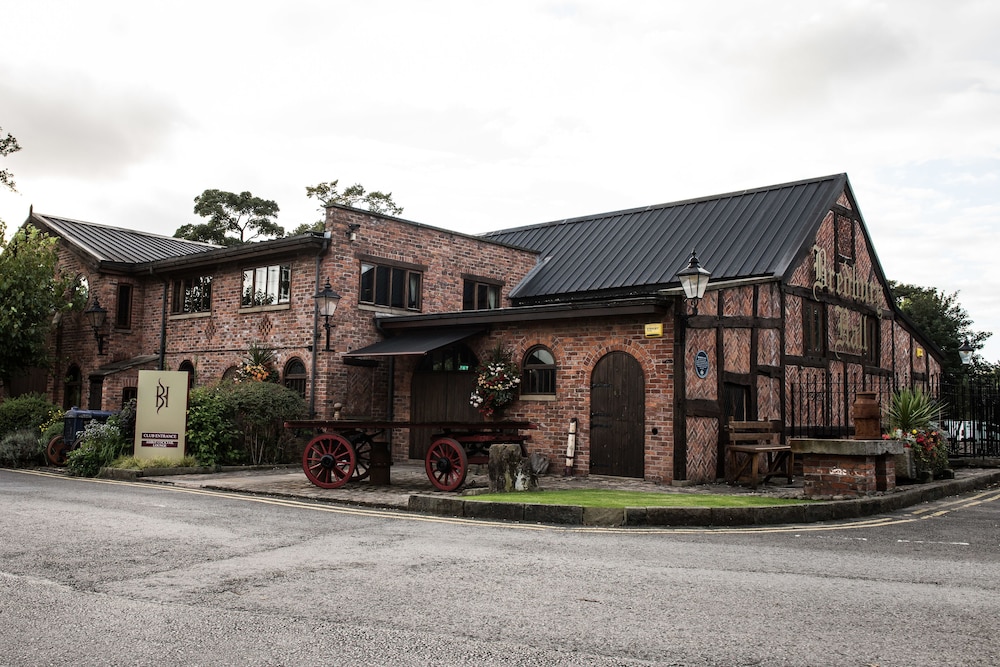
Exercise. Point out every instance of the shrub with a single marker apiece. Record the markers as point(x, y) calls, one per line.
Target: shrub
point(20, 449)
point(100, 445)
point(260, 410)
point(211, 435)
point(26, 411)
point(913, 417)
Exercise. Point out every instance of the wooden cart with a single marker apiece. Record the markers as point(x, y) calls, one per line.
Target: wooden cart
point(347, 449)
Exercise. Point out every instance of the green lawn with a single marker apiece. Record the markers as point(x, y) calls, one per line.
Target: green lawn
point(607, 498)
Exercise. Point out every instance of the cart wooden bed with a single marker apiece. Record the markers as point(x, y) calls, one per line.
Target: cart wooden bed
point(344, 450)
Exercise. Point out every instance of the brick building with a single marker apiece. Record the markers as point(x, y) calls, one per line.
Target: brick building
point(796, 296)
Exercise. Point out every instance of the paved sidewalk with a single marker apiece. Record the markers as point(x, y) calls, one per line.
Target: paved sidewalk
point(411, 490)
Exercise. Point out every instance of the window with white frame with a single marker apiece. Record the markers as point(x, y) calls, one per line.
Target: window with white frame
point(266, 285)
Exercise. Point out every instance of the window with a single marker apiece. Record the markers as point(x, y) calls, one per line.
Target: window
point(392, 286)
point(295, 376)
point(266, 286)
point(873, 349)
point(539, 372)
point(477, 295)
point(188, 368)
point(192, 295)
point(813, 329)
point(123, 315)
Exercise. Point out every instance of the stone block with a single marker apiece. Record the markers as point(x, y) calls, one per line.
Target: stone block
point(603, 516)
point(560, 514)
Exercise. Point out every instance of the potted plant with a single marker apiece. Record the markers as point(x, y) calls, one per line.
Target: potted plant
point(497, 381)
point(912, 418)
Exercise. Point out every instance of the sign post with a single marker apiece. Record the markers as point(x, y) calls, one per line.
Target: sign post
point(161, 415)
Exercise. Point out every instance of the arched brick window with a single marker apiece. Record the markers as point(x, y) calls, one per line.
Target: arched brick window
point(188, 368)
point(539, 371)
point(294, 376)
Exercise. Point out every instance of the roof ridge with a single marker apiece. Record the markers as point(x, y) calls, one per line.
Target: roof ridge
point(650, 207)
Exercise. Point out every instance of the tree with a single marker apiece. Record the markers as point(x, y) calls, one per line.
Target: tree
point(8, 145)
point(30, 294)
point(941, 318)
point(354, 195)
point(242, 214)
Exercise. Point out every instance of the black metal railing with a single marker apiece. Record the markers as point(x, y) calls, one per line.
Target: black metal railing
point(819, 406)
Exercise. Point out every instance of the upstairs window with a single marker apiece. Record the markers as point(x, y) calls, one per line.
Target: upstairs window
point(813, 329)
point(539, 371)
point(479, 295)
point(192, 295)
point(123, 313)
point(392, 286)
point(266, 286)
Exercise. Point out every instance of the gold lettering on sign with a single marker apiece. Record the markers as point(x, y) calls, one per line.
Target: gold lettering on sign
point(845, 282)
point(850, 331)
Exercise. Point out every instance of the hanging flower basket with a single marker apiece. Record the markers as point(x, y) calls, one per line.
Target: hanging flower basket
point(497, 382)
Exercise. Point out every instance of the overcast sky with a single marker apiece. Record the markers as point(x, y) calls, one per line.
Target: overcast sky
point(483, 115)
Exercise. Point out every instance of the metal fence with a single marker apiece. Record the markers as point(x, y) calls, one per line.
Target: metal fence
point(820, 407)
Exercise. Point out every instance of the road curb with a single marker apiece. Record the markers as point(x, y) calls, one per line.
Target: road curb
point(638, 517)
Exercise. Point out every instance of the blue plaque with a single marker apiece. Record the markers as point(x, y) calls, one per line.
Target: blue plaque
point(701, 364)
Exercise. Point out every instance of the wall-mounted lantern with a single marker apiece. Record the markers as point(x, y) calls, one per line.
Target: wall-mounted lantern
point(694, 280)
point(326, 301)
point(352, 231)
point(97, 315)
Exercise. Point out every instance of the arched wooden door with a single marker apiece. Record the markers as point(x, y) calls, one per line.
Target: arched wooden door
point(617, 416)
point(440, 391)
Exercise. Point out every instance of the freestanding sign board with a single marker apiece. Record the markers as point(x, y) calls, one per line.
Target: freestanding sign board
point(161, 415)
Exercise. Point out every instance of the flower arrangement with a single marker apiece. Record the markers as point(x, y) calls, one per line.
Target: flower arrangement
point(913, 418)
point(258, 366)
point(496, 383)
point(929, 447)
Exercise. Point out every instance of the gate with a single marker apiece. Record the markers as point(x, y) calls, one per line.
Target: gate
point(617, 416)
point(972, 416)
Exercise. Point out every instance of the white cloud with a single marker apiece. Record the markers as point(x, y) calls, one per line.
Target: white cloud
point(479, 116)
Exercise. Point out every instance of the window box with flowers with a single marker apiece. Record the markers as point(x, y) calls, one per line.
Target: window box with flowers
point(497, 382)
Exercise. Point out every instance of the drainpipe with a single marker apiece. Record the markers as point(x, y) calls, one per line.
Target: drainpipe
point(327, 236)
point(163, 323)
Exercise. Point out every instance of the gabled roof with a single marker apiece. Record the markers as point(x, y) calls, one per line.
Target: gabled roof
point(114, 245)
point(757, 233)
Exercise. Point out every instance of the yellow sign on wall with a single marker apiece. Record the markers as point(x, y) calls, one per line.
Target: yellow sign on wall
point(161, 415)
point(654, 330)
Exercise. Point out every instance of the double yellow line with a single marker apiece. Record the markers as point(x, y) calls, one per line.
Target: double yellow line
point(931, 511)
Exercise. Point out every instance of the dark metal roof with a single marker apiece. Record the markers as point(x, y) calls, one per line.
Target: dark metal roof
point(754, 233)
point(113, 244)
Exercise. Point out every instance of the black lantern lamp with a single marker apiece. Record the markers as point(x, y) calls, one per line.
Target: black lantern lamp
point(694, 280)
point(327, 301)
point(965, 352)
point(97, 315)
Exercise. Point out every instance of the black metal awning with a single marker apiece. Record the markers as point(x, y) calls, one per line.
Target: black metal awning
point(415, 342)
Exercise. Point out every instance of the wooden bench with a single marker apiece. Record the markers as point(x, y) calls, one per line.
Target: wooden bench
point(755, 448)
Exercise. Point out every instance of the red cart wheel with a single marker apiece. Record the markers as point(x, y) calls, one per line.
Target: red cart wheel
point(329, 460)
point(446, 464)
point(56, 450)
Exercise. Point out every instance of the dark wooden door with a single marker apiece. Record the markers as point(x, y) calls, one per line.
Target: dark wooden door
point(617, 416)
point(440, 391)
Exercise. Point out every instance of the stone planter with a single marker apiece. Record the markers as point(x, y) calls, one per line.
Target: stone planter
point(906, 467)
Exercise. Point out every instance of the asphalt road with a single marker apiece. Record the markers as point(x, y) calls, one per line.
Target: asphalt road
point(112, 573)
